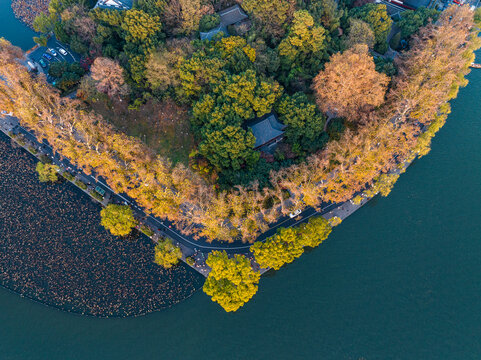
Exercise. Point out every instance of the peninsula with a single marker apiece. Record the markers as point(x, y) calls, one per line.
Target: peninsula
point(234, 136)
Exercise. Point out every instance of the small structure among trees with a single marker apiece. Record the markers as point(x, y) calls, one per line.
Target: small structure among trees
point(114, 4)
point(230, 16)
point(267, 130)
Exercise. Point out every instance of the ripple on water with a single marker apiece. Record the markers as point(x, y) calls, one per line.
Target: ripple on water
point(54, 250)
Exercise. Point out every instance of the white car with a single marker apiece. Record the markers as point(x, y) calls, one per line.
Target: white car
point(295, 213)
point(62, 51)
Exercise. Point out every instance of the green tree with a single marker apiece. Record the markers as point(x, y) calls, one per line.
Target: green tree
point(118, 219)
point(229, 148)
point(314, 232)
point(378, 19)
point(47, 172)
point(282, 248)
point(272, 15)
point(247, 95)
point(231, 282)
point(140, 26)
point(166, 253)
point(359, 33)
point(304, 38)
point(412, 20)
point(326, 13)
point(44, 23)
point(305, 124)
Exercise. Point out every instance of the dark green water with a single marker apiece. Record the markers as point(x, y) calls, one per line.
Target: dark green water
point(400, 279)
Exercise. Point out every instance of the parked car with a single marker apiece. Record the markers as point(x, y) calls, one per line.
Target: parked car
point(295, 213)
point(47, 56)
point(42, 63)
point(53, 52)
point(62, 51)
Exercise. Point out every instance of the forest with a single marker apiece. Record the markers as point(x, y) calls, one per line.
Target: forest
point(351, 114)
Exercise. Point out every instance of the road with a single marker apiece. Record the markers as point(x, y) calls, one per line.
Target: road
point(165, 227)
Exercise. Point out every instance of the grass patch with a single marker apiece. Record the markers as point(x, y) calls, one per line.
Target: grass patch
point(163, 126)
point(68, 176)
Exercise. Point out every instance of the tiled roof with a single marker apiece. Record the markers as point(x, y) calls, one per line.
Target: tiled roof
point(115, 4)
point(266, 128)
point(228, 16)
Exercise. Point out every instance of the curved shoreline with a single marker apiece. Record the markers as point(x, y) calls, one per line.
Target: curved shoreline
point(61, 257)
point(59, 308)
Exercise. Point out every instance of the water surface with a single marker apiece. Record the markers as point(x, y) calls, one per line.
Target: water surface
point(400, 279)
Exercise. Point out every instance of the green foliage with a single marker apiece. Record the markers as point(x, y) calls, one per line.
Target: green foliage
point(81, 184)
point(359, 33)
point(288, 244)
point(229, 148)
point(96, 195)
point(395, 41)
point(217, 118)
point(383, 184)
point(47, 172)
point(302, 51)
point(140, 26)
point(67, 75)
point(314, 232)
point(44, 23)
point(118, 219)
point(190, 260)
point(209, 22)
point(412, 20)
point(40, 40)
point(166, 253)
point(231, 282)
point(326, 13)
point(305, 124)
point(280, 249)
point(379, 21)
point(304, 38)
point(335, 128)
point(385, 66)
point(68, 176)
point(146, 230)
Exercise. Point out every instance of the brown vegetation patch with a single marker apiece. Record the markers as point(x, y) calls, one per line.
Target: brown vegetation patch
point(163, 126)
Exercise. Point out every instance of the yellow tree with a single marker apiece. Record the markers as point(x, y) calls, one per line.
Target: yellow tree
point(231, 282)
point(350, 84)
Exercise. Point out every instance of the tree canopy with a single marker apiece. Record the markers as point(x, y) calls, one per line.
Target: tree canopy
point(47, 172)
point(350, 84)
point(166, 253)
point(231, 282)
point(118, 219)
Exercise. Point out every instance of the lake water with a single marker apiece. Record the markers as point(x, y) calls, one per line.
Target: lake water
point(400, 279)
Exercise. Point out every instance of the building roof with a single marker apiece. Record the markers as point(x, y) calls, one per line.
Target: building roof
point(229, 16)
point(115, 4)
point(266, 129)
point(232, 15)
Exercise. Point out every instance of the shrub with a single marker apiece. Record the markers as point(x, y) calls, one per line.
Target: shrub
point(147, 230)
point(190, 260)
point(81, 184)
point(68, 176)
